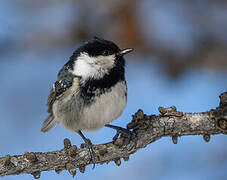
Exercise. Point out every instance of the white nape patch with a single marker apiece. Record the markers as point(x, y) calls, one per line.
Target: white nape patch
point(96, 67)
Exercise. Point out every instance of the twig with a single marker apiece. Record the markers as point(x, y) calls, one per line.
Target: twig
point(145, 129)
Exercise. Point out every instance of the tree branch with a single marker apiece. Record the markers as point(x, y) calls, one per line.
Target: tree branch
point(146, 129)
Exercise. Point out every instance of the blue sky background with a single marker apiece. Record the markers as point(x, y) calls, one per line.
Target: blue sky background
point(27, 75)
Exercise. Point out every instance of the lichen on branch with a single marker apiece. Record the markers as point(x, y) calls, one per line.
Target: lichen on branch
point(145, 130)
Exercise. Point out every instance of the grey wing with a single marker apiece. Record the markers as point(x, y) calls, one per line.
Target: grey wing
point(50, 100)
point(65, 81)
point(57, 90)
point(49, 121)
point(61, 87)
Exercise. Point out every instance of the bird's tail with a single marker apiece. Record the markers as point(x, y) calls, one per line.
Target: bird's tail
point(48, 123)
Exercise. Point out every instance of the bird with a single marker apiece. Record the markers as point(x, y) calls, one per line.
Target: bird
point(90, 91)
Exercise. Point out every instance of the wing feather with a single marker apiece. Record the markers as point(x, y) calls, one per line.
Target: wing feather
point(50, 100)
point(61, 87)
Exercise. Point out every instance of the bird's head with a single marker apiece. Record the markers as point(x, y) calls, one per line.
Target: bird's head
point(98, 57)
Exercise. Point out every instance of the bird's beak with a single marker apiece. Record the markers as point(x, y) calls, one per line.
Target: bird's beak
point(124, 51)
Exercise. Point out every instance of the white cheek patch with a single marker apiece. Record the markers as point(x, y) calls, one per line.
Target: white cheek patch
point(96, 67)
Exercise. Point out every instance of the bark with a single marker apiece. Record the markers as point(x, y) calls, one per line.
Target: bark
point(145, 130)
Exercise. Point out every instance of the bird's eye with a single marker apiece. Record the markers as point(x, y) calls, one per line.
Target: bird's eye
point(105, 53)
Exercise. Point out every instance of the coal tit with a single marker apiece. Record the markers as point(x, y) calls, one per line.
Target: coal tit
point(91, 90)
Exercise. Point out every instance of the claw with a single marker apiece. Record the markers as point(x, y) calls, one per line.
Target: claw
point(90, 148)
point(91, 152)
point(116, 136)
point(120, 130)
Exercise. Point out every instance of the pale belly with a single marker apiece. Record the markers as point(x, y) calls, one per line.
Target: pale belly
point(103, 110)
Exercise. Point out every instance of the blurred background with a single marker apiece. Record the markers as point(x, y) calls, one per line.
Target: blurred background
point(180, 59)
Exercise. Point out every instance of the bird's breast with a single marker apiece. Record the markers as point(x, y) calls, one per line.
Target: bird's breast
point(104, 108)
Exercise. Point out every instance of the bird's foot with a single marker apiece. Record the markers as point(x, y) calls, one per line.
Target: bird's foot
point(90, 146)
point(120, 131)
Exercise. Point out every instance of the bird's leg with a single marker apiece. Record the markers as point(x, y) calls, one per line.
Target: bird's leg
point(120, 130)
point(89, 146)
